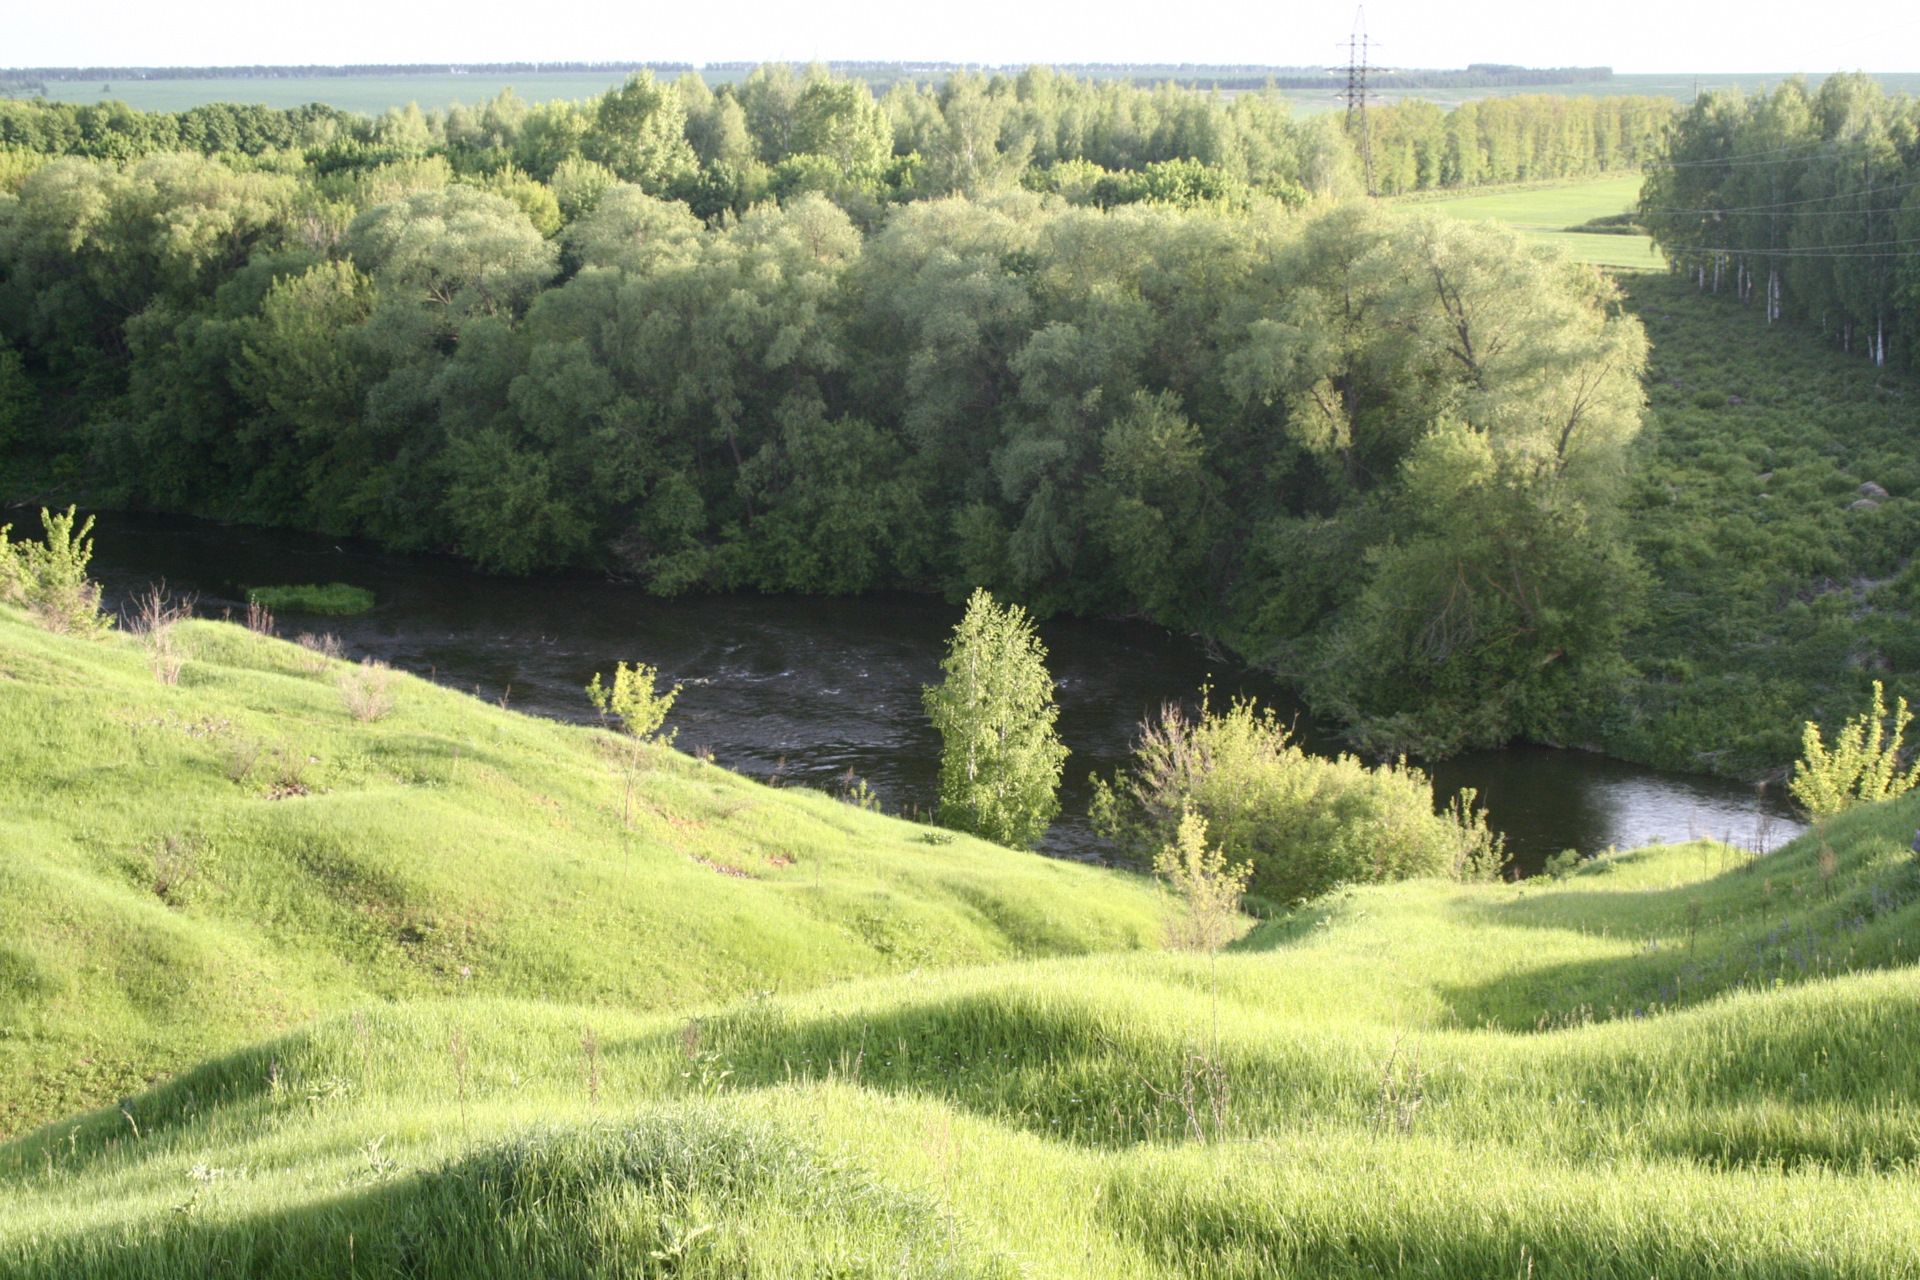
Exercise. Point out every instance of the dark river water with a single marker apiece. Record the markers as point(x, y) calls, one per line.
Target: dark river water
point(817, 687)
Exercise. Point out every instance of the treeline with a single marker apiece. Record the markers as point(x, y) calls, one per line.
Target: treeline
point(1523, 138)
point(33, 127)
point(1804, 204)
point(1372, 449)
point(779, 132)
point(773, 135)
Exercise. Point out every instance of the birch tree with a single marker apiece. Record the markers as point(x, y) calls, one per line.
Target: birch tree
point(1000, 769)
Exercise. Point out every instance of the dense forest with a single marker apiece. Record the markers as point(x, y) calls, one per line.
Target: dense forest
point(1103, 350)
point(1804, 204)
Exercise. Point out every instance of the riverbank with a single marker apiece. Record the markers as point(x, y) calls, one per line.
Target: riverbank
point(807, 689)
point(1775, 598)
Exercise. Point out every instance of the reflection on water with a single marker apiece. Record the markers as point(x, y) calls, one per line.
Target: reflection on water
point(817, 687)
point(1548, 799)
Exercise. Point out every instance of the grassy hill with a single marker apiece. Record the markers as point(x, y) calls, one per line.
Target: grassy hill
point(1672, 1063)
point(1678, 1061)
point(186, 867)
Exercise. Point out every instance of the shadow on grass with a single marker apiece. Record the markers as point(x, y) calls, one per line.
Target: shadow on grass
point(681, 1189)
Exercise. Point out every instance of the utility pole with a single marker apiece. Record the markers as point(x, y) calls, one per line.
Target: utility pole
point(1356, 47)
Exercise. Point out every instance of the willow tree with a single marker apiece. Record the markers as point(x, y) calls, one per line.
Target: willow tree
point(1000, 767)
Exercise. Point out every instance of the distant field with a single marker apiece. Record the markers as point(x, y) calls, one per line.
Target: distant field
point(371, 94)
point(1679, 87)
point(1629, 253)
point(377, 93)
point(1544, 212)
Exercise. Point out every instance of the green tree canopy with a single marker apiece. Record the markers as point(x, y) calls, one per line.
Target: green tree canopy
point(639, 132)
point(1001, 760)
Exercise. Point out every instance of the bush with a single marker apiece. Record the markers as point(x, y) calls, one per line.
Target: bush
point(325, 648)
point(1862, 766)
point(50, 578)
point(368, 690)
point(335, 597)
point(1305, 823)
point(635, 700)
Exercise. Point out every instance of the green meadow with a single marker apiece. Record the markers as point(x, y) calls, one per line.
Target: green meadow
point(284, 993)
point(1545, 212)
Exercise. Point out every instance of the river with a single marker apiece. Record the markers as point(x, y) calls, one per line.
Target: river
point(820, 689)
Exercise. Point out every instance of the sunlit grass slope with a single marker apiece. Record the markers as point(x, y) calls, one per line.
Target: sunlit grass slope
point(186, 868)
point(1674, 1063)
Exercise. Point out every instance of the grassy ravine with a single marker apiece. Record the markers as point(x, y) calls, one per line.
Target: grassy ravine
point(1773, 601)
point(186, 868)
point(1675, 1063)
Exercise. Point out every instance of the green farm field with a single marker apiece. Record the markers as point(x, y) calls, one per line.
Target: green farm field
point(410, 997)
point(1543, 212)
point(371, 94)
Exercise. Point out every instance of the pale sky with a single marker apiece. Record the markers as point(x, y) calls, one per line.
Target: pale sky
point(1630, 35)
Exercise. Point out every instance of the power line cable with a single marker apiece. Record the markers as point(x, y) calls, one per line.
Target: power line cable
point(1804, 251)
point(1789, 204)
point(1742, 159)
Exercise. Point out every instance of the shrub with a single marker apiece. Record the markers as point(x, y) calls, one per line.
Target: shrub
point(281, 767)
point(50, 578)
point(326, 649)
point(1862, 766)
point(368, 690)
point(156, 614)
point(1562, 864)
point(1208, 889)
point(633, 700)
point(1304, 823)
point(334, 597)
point(641, 709)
